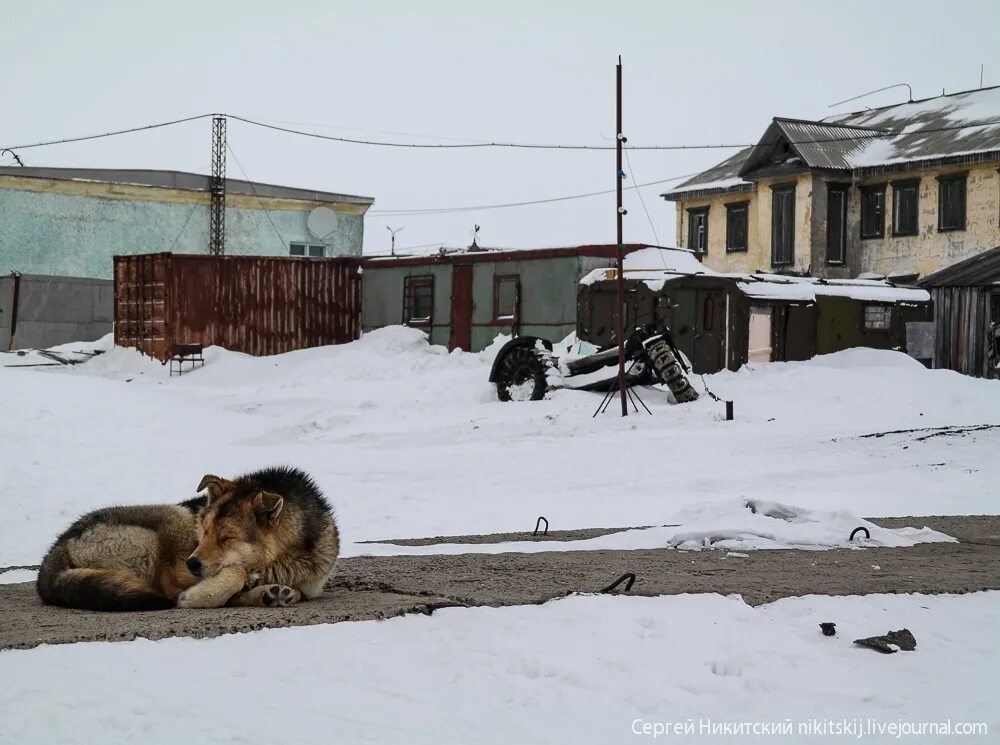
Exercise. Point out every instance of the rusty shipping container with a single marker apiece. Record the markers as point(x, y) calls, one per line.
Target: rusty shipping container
point(258, 305)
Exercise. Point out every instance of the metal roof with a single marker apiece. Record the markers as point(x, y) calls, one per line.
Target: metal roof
point(976, 271)
point(958, 127)
point(814, 144)
point(721, 177)
point(180, 180)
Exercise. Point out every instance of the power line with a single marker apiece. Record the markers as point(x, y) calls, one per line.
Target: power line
point(112, 134)
point(446, 210)
point(872, 134)
point(641, 200)
point(254, 190)
point(472, 145)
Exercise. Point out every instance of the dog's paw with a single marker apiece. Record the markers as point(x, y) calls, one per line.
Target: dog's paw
point(188, 599)
point(253, 580)
point(278, 596)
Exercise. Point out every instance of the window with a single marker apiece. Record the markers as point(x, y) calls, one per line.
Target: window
point(836, 223)
point(314, 250)
point(698, 230)
point(783, 224)
point(878, 317)
point(506, 297)
point(736, 226)
point(905, 195)
point(873, 211)
point(951, 202)
point(418, 301)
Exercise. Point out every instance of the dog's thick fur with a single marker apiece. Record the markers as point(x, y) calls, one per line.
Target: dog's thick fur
point(122, 559)
point(266, 538)
point(273, 524)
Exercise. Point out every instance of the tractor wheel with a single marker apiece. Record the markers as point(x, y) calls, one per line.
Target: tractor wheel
point(522, 374)
point(669, 370)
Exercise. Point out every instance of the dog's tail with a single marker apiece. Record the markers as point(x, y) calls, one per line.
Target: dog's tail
point(60, 583)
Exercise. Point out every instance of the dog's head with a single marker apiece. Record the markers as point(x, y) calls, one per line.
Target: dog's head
point(234, 527)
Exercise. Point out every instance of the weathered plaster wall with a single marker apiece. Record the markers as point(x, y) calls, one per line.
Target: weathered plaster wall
point(758, 253)
point(923, 253)
point(74, 228)
point(929, 250)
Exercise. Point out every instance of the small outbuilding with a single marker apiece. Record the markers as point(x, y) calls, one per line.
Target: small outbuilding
point(967, 315)
point(723, 320)
point(463, 299)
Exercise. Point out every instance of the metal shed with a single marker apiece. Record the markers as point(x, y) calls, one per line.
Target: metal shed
point(39, 310)
point(967, 315)
point(464, 299)
point(722, 321)
point(256, 305)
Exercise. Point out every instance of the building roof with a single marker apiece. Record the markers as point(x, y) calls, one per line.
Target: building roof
point(976, 271)
point(722, 177)
point(657, 267)
point(180, 180)
point(602, 250)
point(947, 128)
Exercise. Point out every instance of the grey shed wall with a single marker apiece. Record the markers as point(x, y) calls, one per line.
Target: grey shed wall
point(55, 310)
point(549, 288)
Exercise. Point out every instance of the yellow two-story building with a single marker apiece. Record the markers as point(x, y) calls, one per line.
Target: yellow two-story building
point(897, 192)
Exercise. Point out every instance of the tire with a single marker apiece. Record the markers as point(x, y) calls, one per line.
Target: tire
point(522, 375)
point(669, 371)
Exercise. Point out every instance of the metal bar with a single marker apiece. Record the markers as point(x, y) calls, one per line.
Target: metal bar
point(13, 311)
point(620, 284)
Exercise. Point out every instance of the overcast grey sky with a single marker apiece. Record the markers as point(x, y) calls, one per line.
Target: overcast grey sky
point(695, 72)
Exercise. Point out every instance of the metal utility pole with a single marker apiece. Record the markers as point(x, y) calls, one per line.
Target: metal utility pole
point(620, 212)
point(217, 189)
point(393, 234)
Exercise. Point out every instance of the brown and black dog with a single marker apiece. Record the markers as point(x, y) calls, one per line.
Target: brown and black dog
point(275, 527)
point(265, 538)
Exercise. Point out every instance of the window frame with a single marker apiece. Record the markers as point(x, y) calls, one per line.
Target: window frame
point(953, 178)
point(306, 250)
point(887, 308)
point(898, 189)
point(409, 285)
point(692, 213)
point(867, 191)
point(736, 207)
point(845, 194)
point(515, 316)
point(782, 190)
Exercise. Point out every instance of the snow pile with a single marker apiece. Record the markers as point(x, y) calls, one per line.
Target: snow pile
point(408, 440)
point(731, 525)
point(758, 524)
point(591, 669)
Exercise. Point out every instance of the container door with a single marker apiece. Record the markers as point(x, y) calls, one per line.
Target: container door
point(461, 307)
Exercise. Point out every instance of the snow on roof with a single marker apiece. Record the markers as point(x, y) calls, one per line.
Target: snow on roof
point(655, 267)
point(947, 126)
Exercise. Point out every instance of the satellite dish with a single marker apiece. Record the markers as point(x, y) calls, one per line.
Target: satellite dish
point(321, 222)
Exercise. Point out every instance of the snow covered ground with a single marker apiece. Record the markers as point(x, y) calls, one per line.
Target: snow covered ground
point(409, 440)
point(594, 669)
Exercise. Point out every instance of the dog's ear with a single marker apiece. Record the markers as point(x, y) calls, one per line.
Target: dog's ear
point(214, 484)
point(267, 506)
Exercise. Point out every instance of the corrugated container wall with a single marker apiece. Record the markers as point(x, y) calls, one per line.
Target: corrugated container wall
point(256, 305)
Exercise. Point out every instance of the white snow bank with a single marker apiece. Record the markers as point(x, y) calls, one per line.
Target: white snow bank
point(409, 440)
point(13, 576)
point(731, 525)
point(592, 669)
